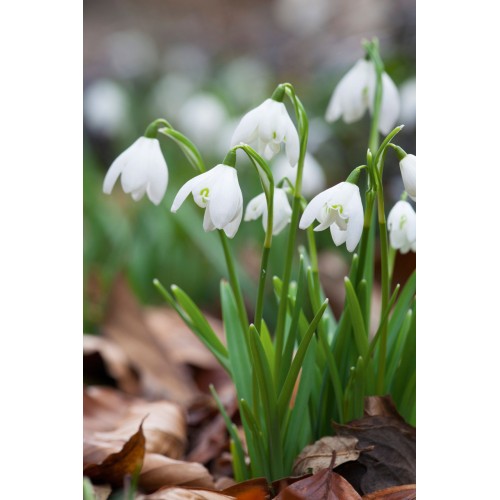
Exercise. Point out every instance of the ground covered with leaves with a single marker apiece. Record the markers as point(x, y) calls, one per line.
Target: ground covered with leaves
point(152, 429)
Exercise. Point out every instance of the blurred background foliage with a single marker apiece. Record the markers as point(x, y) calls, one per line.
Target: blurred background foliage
point(202, 65)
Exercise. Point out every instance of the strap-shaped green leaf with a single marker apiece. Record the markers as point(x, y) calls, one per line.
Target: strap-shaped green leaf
point(237, 343)
point(357, 321)
point(240, 469)
point(286, 391)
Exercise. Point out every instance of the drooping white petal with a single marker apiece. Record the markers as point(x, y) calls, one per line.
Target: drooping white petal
point(157, 173)
point(408, 167)
point(314, 207)
point(226, 197)
point(401, 223)
point(247, 127)
point(355, 228)
point(231, 228)
point(208, 225)
point(348, 99)
point(183, 193)
point(137, 195)
point(113, 173)
point(390, 106)
point(255, 207)
point(339, 236)
point(135, 171)
point(282, 211)
point(292, 143)
point(271, 121)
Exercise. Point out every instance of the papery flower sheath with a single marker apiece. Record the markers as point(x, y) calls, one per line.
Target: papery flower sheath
point(408, 167)
point(282, 211)
point(339, 208)
point(265, 127)
point(402, 226)
point(355, 93)
point(143, 170)
point(219, 193)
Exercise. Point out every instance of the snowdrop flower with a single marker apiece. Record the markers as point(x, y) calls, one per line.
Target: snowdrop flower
point(143, 170)
point(106, 108)
point(401, 224)
point(355, 93)
point(219, 192)
point(282, 211)
point(265, 128)
point(313, 178)
point(340, 209)
point(408, 167)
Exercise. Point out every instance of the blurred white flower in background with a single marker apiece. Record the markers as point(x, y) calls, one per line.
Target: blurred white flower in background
point(246, 80)
point(169, 95)
point(313, 177)
point(132, 54)
point(319, 133)
point(201, 117)
point(106, 108)
point(143, 170)
point(408, 93)
point(303, 17)
point(408, 167)
point(219, 192)
point(282, 211)
point(340, 209)
point(265, 127)
point(402, 226)
point(355, 92)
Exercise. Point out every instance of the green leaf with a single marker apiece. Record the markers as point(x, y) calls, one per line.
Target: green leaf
point(237, 344)
point(198, 325)
point(268, 399)
point(286, 391)
point(267, 343)
point(238, 447)
point(259, 462)
point(402, 306)
point(298, 427)
point(395, 355)
point(199, 320)
point(356, 316)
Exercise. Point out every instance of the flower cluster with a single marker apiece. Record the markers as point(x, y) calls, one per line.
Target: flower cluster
point(143, 170)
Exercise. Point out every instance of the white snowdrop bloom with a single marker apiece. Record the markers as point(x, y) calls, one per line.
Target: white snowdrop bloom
point(313, 177)
point(143, 170)
point(408, 167)
point(219, 193)
point(340, 209)
point(402, 223)
point(282, 211)
point(105, 108)
point(265, 127)
point(355, 93)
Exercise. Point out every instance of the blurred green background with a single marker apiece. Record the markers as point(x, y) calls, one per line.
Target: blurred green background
point(202, 65)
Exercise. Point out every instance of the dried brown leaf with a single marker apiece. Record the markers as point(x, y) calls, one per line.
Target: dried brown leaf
point(117, 465)
point(110, 418)
point(324, 485)
point(161, 376)
point(159, 471)
point(103, 360)
point(318, 456)
point(405, 492)
point(391, 460)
